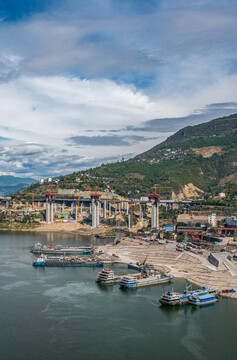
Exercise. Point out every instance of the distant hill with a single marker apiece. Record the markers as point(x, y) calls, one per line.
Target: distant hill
point(218, 132)
point(10, 184)
point(196, 159)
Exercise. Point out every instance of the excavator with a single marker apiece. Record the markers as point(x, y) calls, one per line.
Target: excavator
point(51, 245)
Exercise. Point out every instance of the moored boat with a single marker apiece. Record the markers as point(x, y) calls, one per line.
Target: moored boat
point(105, 277)
point(60, 250)
point(66, 261)
point(143, 280)
point(171, 298)
point(200, 300)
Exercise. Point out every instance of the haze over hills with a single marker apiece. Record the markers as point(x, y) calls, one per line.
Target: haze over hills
point(196, 159)
point(10, 184)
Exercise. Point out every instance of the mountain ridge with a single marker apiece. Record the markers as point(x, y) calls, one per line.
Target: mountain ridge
point(10, 184)
point(201, 157)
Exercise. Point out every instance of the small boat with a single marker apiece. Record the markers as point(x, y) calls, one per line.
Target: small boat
point(200, 300)
point(229, 291)
point(60, 250)
point(66, 261)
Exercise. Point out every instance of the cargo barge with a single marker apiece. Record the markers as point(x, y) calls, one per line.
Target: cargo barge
point(66, 261)
point(130, 282)
point(60, 250)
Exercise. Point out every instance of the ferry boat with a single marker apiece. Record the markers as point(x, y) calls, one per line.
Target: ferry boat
point(66, 261)
point(200, 300)
point(105, 277)
point(172, 298)
point(143, 280)
point(60, 250)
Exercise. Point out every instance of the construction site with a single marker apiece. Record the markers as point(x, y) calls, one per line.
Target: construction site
point(194, 267)
point(94, 208)
point(198, 245)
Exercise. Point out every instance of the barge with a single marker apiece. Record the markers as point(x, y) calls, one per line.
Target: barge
point(130, 282)
point(60, 250)
point(66, 261)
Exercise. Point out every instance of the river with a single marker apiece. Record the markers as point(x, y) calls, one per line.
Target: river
point(61, 313)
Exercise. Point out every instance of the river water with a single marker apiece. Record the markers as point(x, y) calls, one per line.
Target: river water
point(61, 313)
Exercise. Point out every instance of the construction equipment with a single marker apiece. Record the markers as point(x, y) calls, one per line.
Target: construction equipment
point(51, 245)
point(132, 214)
point(144, 261)
point(33, 195)
point(78, 199)
point(160, 187)
point(107, 204)
point(197, 211)
point(78, 202)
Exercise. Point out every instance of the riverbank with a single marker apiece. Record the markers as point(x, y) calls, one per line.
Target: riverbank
point(195, 268)
point(71, 228)
point(65, 314)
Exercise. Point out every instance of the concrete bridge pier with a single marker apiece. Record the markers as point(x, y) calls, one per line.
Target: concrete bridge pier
point(129, 219)
point(127, 208)
point(105, 209)
point(76, 212)
point(155, 216)
point(52, 212)
point(140, 212)
point(81, 210)
point(95, 206)
point(48, 212)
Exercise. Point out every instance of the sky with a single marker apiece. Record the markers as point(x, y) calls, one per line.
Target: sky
point(88, 82)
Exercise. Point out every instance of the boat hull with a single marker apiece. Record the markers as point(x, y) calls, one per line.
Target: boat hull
point(174, 303)
point(145, 283)
point(43, 264)
point(203, 303)
point(60, 252)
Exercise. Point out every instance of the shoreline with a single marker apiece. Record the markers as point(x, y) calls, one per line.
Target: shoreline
point(62, 229)
point(195, 269)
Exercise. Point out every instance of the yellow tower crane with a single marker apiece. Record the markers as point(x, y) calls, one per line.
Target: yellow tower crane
point(33, 196)
point(160, 187)
point(197, 211)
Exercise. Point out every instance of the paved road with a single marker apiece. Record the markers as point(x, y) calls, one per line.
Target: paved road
point(231, 266)
point(204, 261)
point(226, 240)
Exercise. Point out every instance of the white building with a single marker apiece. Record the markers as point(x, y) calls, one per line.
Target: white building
point(212, 220)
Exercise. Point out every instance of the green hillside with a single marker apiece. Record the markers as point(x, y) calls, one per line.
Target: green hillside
point(204, 155)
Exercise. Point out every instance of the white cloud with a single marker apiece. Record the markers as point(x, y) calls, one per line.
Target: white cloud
point(71, 70)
